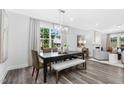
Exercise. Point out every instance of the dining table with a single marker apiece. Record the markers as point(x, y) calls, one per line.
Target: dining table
point(54, 57)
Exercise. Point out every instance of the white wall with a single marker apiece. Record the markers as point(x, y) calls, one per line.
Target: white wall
point(18, 40)
point(89, 37)
point(89, 41)
point(17, 43)
point(3, 68)
point(104, 41)
point(3, 71)
point(72, 39)
point(97, 37)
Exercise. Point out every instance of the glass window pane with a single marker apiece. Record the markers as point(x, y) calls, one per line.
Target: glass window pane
point(56, 36)
point(41, 33)
point(44, 35)
point(121, 40)
point(52, 34)
point(46, 43)
point(114, 41)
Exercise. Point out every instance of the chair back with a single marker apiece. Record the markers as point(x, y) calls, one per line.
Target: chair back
point(35, 59)
point(55, 49)
point(46, 50)
point(85, 53)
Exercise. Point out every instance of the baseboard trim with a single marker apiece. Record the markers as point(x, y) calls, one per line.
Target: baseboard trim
point(17, 66)
point(3, 76)
point(107, 62)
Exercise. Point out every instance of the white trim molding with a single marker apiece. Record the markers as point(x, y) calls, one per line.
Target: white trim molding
point(3, 76)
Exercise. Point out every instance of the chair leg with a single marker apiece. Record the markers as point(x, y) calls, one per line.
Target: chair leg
point(33, 71)
point(37, 74)
point(57, 77)
point(50, 66)
point(84, 65)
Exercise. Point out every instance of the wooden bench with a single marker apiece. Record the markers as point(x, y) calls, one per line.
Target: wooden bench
point(67, 64)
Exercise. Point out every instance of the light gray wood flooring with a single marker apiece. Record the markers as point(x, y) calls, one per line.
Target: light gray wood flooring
point(96, 73)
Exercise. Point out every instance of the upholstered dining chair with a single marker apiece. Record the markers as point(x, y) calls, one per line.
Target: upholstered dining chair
point(47, 50)
point(37, 65)
point(55, 49)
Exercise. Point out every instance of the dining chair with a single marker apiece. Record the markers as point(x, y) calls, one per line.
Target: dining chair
point(37, 65)
point(46, 50)
point(55, 49)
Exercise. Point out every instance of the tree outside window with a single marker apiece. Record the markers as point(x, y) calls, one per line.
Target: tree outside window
point(55, 38)
point(114, 41)
point(48, 36)
point(121, 39)
point(44, 35)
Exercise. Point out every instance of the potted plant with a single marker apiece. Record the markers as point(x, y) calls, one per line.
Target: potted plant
point(65, 47)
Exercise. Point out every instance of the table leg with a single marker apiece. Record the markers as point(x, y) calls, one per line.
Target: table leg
point(45, 72)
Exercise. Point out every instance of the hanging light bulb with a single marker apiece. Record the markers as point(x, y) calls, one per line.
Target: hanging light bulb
point(61, 19)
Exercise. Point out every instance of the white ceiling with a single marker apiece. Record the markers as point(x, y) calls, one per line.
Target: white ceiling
point(104, 20)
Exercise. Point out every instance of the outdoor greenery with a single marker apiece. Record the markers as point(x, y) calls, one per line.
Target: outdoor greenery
point(54, 34)
point(117, 40)
point(48, 35)
point(44, 35)
point(121, 41)
point(114, 41)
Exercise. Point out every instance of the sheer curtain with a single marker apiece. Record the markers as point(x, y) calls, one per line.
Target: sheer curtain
point(3, 36)
point(34, 38)
point(108, 44)
point(64, 34)
point(63, 37)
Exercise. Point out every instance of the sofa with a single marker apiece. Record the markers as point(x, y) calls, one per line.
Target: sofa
point(100, 55)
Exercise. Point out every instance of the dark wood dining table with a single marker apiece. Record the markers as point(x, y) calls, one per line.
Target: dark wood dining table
point(55, 56)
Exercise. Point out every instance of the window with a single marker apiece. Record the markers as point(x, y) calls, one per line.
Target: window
point(114, 41)
point(121, 40)
point(44, 36)
point(51, 35)
point(117, 40)
point(50, 38)
point(55, 37)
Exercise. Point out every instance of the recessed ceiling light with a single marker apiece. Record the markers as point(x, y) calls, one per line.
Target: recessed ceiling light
point(119, 26)
point(97, 24)
point(71, 19)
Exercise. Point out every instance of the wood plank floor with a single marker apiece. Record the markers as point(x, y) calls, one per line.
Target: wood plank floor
point(96, 73)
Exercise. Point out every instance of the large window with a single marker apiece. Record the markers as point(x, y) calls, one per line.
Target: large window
point(117, 40)
point(50, 38)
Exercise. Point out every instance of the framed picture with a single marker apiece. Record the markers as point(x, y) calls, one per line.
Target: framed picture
point(80, 39)
point(3, 36)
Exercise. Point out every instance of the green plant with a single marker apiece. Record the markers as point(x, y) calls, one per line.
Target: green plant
point(65, 45)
